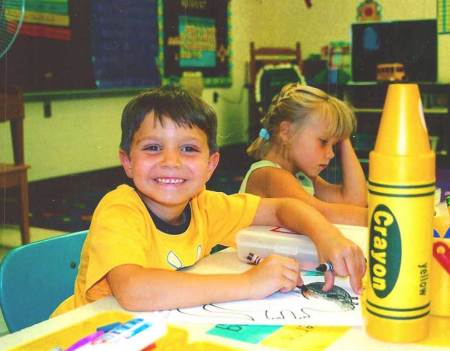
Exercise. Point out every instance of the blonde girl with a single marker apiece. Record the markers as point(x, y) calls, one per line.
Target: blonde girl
point(296, 143)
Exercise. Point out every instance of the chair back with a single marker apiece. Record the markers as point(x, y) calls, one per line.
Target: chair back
point(36, 278)
point(270, 79)
point(14, 174)
point(262, 90)
point(12, 110)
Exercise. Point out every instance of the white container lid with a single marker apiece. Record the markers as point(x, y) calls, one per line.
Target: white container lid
point(265, 240)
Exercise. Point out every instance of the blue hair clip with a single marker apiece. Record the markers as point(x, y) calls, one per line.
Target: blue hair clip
point(264, 134)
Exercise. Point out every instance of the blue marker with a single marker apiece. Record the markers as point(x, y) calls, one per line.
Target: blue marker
point(106, 328)
point(139, 329)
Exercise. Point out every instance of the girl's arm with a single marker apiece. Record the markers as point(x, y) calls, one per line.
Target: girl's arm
point(276, 182)
point(148, 289)
point(346, 257)
point(353, 190)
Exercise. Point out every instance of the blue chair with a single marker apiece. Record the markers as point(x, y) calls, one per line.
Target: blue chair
point(35, 278)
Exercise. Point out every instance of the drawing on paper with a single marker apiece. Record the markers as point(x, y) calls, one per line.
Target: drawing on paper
point(313, 307)
point(337, 295)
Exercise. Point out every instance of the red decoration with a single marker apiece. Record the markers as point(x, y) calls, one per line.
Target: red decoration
point(368, 10)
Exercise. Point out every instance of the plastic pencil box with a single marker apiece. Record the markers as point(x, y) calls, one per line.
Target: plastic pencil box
point(265, 240)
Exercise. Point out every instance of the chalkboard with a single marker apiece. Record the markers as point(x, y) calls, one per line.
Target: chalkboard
point(195, 37)
point(103, 44)
point(124, 43)
point(82, 44)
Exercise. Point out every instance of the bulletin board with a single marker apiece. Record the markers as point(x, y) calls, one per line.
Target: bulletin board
point(84, 45)
point(194, 36)
point(95, 45)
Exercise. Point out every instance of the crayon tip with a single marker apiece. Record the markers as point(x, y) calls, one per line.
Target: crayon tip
point(402, 128)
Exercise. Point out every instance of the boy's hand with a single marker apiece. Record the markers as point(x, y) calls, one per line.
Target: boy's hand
point(274, 273)
point(347, 259)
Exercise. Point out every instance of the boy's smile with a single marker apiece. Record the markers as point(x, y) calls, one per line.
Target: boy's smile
point(169, 164)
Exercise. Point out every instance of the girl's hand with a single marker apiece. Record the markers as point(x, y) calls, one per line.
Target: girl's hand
point(347, 259)
point(273, 273)
point(354, 186)
point(345, 144)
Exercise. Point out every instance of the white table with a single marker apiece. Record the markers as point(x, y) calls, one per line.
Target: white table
point(222, 262)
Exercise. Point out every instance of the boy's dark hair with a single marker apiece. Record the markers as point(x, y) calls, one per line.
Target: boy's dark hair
point(171, 102)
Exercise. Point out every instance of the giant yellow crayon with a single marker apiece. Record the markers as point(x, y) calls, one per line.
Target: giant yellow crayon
point(401, 199)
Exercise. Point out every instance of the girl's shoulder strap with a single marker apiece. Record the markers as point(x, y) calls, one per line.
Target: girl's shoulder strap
point(264, 163)
point(253, 167)
point(306, 182)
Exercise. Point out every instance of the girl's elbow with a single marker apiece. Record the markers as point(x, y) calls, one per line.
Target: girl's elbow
point(356, 202)
point(355, 199)
point(362, 200)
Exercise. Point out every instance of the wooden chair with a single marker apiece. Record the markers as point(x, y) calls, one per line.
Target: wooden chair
point(277, 58)
point(15, 175)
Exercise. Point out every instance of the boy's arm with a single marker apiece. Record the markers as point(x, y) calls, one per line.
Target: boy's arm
point(275, 182)
point(346, 256)
point(353, 189)
point(147, 289)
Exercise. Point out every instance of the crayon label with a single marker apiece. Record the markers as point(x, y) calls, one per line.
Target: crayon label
point(403, 213)
point(385, 251)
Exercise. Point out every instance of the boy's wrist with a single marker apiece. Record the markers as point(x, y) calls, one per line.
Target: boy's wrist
point(246, 284)
point(318, 237)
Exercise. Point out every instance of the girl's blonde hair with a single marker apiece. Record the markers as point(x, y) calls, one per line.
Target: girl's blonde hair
point(298, 103)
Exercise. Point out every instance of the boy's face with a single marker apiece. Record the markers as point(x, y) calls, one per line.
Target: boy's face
point(169, 165)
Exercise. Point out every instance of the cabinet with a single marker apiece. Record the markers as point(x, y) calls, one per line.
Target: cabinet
point(367, 100)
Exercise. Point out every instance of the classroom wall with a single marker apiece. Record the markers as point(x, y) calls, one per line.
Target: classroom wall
point(83, 134)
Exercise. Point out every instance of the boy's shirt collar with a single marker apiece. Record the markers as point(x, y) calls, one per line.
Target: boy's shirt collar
point(173, 229)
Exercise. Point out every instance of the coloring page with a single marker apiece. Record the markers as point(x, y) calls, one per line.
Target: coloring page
point(338, 307)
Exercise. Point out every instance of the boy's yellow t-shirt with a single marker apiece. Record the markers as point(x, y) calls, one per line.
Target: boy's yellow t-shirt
point(122, 232)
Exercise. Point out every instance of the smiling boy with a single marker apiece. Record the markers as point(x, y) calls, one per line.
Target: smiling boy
point(140, 237)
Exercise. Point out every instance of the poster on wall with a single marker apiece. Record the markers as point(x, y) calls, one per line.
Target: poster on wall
point(194, 37)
